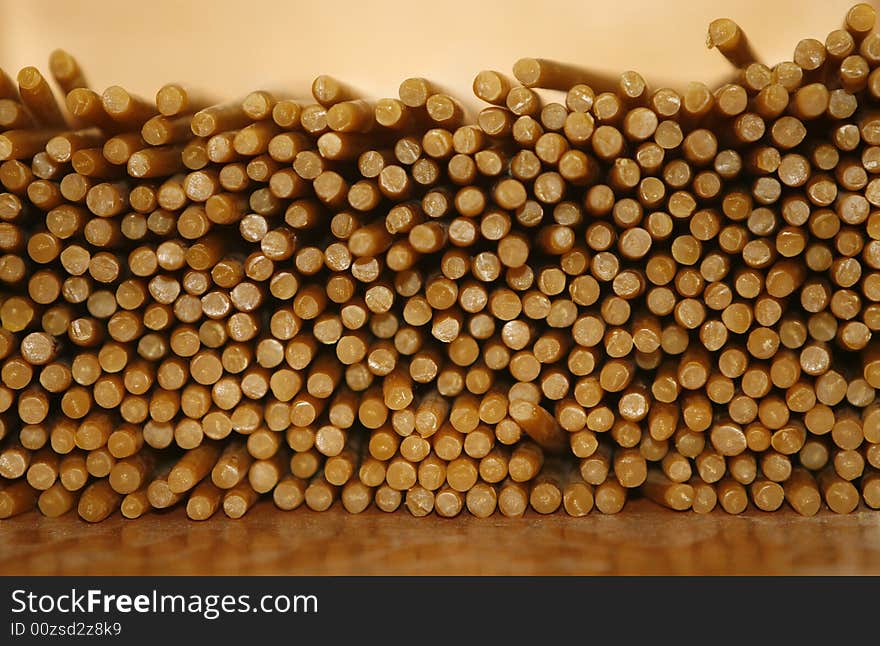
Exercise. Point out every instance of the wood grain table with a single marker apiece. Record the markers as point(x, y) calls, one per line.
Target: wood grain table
point(644, 540)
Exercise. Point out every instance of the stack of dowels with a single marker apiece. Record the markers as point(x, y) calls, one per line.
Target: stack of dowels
point(596, 291)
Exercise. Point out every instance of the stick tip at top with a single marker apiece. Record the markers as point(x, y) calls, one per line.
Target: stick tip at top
point(199, 508)
point(527, 71)
point(327, 90)
point(490, 86)
point(414, 92)
point(860, 18)
point(29, 78)
point(723, 32)
point(62, 64)
point(78, 100)
point(171, 100)
point(203, 124)
point(257, 105)
point(6, 506)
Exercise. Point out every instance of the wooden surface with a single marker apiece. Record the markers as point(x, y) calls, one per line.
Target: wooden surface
point(643, 540)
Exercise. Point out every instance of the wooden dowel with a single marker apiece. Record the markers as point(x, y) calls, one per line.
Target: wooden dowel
point(840, 495)
point(448, 502)
point(539, 424)
point(37, 97)
point(491, 87)
point(578, 496)
point(732, 496)
point(289, 493)
point(871, 490)
point(513, 499)
point(204, 501)
point(162, 130)
point(610, 497)
point(173, 99)
point(17, 498)
point(263, 475)
point(705, 497)
point(802, 493)
point(155, 162)
point(728, 38)
point(14, 115)
point(22, 144)
point(87, 109)
point(56, 501)
point(388, 499)
point(320, 494)
point(678, 496)
point(135, 505)
point(419, 501)
point(238, 500)
point(546, 492)
point(219, 118)
point(192, 467)
point(43, 470)
point(8, 89)
point(551, 75)
point(129, 111)
point(98, 501)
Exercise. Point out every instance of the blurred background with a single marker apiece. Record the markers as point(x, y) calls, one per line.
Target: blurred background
point(232, 47)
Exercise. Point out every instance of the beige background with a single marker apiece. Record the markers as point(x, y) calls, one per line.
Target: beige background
point(235, 46)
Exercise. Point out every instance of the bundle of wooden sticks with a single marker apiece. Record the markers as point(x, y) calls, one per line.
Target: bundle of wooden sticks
point(596, 291)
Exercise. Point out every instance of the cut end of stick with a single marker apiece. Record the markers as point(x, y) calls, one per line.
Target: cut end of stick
point(258, 105)
point(527, 71)
point(116, 100)
point(29, 78)
point(6, 148)
point(199, 508)
point(723, 33)
point(138, 165)
point(204, 124)
point(62, 65)
point(414, 92)
point(59, 149)
point(172, 100)
point(79, 100)
point(491, 87)
point(860, 18)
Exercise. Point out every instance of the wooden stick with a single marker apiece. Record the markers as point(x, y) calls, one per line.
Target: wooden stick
point(135, 505)
point(125, 109)
point(37, 97)
point(356, 496)
point(610, 497)
point(56, 501)
point(16, 498)
point(203, 501)
point(192, 467)
point(841, 496)
point(705, 497)
point(173, 99)
point(238, 500)
point(219, 118)
point(802, 493)
point(732, 496)
point(870, 492)
point(98, 501)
